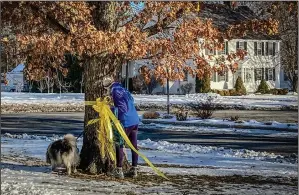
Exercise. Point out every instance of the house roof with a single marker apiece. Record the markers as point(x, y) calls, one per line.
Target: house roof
point(18, 69)
point(223, 16)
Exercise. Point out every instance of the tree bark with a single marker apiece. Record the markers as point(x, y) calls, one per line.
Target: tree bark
point(94, 70)
point(90, 153)
point(295, 83)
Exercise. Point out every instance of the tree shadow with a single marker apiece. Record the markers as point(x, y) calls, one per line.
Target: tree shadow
point(20, 167)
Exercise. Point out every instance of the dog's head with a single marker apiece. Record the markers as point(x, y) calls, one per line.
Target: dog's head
point(70, 138)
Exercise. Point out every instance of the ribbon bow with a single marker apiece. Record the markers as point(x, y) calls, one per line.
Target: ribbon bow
point(106, 133)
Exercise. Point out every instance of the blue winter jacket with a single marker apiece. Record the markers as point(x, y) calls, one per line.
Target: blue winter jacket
point(124, 101)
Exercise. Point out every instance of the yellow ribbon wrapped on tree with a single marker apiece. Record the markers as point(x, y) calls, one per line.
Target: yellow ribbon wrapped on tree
point(105, 133)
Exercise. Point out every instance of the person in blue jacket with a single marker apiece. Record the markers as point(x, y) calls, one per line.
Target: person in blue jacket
point(128, 117)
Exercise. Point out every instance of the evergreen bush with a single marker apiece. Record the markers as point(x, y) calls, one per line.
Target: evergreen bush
point(203, 85)
point(263, 87)
point(239, 87)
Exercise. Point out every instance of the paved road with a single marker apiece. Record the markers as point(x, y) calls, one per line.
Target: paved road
point(61, 123)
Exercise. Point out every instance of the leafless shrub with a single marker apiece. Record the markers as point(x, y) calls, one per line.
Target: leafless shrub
point(203, 110)
point(234, 118)
point(181, 115)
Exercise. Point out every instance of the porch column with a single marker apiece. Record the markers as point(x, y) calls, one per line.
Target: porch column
point(277, 67)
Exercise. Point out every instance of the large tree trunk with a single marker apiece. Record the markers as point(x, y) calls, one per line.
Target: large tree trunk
point(96, 68)
point(90, 153)
point(295, 83)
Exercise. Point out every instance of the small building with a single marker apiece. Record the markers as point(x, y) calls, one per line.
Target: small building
point(13, 81)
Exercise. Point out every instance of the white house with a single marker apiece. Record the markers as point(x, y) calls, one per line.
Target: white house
point(261, 62)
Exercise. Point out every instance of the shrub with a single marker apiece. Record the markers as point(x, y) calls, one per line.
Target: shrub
point(213, 91)
point(274, 91)
point(226, 93)
point(263, 87)
point(187, 88)
point(232, 92)
point(203, 85)
point(203, 110)
point(234, 118)
point(239, 86)
point(221, 92)
point(279, 91)
point(285, 91)
point(151, 115)
point(181, 115)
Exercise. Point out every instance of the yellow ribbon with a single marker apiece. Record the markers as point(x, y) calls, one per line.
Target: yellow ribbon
point(105, 118)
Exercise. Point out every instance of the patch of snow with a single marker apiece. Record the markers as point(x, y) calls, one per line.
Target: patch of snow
point(250, 123)
point(36, 146)
point(248, 101)
point(215, 130)
point(214, 151)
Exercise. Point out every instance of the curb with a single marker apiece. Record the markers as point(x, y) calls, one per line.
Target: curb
point(206, 124)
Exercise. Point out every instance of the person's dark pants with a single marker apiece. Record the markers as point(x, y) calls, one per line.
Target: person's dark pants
point(132, 135)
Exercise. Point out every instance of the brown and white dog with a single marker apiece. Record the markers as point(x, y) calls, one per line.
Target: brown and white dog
point(64, 152)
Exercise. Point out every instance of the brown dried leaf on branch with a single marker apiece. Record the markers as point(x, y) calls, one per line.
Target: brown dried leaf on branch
point(46, 31)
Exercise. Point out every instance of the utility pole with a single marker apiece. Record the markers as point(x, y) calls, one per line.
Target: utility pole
point(127, 76)
point(167, 88)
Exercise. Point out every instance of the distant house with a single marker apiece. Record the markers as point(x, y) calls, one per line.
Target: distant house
point(13, 80)
point(261, 62)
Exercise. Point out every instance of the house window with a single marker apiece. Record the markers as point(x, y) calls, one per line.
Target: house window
point(258, 72)
point(270, 48)
point(241, 45)
point(248, 75)
point(223, 77)
point(269, 74)
point(225, 49)
point(259, 48)
point(210, 52)
point(214, 76)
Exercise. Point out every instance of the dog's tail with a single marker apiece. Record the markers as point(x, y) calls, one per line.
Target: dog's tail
point(48, 159)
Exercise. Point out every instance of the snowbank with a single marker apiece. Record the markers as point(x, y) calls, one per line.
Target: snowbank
point(251, 124)
point(75, 102)
point(216, 130)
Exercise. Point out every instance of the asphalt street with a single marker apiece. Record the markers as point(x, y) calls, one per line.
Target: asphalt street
point(62, 123)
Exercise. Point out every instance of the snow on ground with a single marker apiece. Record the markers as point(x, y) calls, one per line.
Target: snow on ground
point(217, 122)
point(15, 181)
point(226, 161)
point(215, 130)
point(248, 101)
point(204, 162)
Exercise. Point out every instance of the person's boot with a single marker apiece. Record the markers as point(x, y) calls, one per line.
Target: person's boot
point(118, 173)
point(132, 172)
